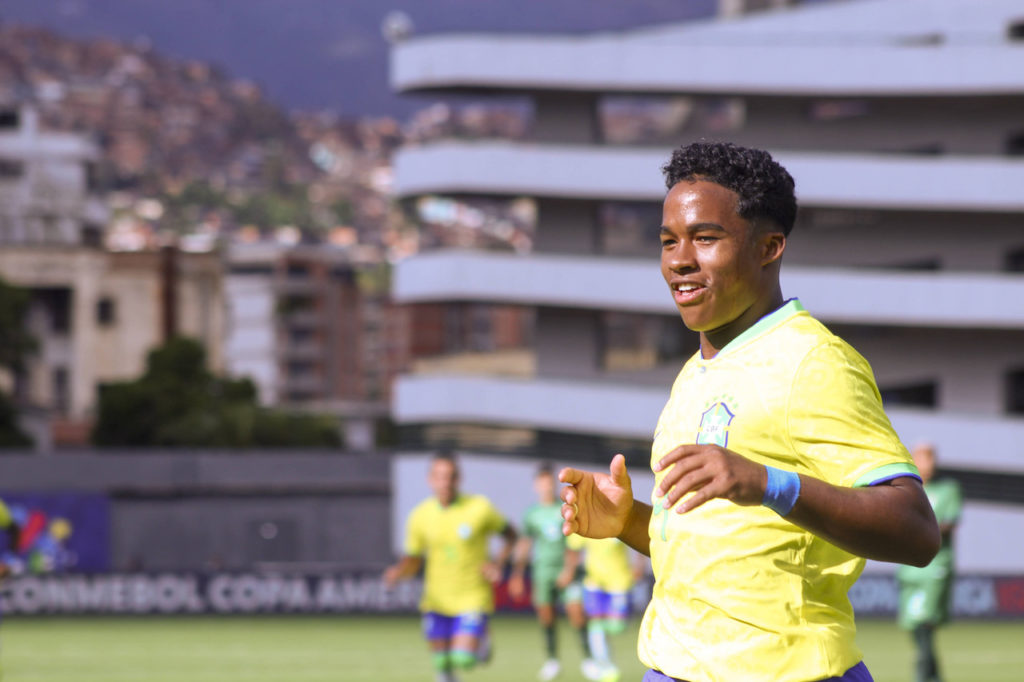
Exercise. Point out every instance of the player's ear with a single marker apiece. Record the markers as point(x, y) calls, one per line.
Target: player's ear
point(772, 244)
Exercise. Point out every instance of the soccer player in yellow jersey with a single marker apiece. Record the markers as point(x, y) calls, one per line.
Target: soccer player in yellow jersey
point(776, 469)
point(450, 533)
point(608, 577)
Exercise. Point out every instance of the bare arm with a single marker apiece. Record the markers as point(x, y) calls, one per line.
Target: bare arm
point(493, 570)
point(888, 522)
point(403, 569)
point(521, 556)
point(509, 534)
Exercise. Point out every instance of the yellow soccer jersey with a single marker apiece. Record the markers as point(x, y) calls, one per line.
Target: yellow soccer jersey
point(453, 541)
point(740, 593)
point(605, 563)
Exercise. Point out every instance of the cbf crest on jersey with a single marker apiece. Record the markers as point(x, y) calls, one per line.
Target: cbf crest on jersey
point(715, 421)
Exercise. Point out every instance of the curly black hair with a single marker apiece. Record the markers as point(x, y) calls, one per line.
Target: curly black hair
point(765, 189)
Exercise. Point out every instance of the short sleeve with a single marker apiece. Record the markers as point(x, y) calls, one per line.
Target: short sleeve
point(415, 542)
point(836, 424)
point(494, 521)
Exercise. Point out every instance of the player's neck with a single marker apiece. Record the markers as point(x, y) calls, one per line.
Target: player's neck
point(713, 341)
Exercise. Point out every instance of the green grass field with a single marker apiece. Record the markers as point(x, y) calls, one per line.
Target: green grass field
point(365, 649)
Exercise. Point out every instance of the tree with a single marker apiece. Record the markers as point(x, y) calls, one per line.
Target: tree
point(179, 402)
point(16, 344)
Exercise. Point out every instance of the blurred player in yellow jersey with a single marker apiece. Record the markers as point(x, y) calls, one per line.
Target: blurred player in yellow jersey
point(608, 577)
point(776, 469)
point(449, 532)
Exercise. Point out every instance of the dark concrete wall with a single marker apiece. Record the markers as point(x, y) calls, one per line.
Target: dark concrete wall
point(188, 511)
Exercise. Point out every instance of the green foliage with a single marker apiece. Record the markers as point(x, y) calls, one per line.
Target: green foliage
point(11, 435)
point(16, 343)
point(178, 402)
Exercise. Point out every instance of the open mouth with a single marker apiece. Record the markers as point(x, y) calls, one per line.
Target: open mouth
point(687, 292)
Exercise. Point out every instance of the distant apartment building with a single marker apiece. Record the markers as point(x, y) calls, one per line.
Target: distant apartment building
point(309, 326)
point(94, 314)
point(903, 125)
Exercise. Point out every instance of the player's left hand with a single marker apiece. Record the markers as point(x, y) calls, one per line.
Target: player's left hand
point(709, 471)
point(491, 572)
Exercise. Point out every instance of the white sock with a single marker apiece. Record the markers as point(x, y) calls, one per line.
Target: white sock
point(598, 642)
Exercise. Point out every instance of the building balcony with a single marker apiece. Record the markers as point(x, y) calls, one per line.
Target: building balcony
point(622, 411)
point(848, 49)
point(596, 173)
point(879, 297)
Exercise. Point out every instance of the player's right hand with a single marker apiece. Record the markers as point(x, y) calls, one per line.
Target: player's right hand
point(392, 575)
point(596, 505)
point(516, 587)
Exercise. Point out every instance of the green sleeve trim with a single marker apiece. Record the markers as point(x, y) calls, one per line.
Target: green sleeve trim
point(887, 472)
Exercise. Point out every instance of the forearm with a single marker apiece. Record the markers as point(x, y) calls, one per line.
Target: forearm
point(511, 537)
point(635, 531)
point(890, 522)
point(521, 557)
point(406, 567)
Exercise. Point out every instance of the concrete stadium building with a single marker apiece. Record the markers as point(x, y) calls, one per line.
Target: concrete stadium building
point(902, 122)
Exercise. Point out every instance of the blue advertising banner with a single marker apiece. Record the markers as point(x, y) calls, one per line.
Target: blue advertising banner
point(59, 531)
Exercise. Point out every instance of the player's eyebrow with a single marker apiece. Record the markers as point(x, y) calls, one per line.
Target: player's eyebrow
point(715, 227)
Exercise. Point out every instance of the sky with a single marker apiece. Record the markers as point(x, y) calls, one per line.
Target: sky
point(324, 54)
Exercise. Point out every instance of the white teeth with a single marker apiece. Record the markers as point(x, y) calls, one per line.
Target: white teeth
point(687, 287)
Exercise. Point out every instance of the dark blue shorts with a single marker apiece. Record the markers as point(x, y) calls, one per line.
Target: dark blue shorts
point(437, 626)
point(601, 604)
point(858, 673)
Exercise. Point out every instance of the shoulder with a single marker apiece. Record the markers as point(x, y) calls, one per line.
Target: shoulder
point(479, 503)
point(422, 509)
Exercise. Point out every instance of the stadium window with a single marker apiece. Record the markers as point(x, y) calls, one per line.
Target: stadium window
point(61, 390)
point(9, 119)
point(11, 169)
point(1014, 384)
point(910, 395)
point(1015, 31)
point(837, 109)
point(1015, 143)
point(1014, 261)
point(106, 312)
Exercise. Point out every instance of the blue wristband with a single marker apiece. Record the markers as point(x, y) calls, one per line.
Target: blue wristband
point(782, 490)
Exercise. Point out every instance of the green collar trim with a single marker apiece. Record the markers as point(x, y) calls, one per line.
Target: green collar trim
point(788, 309)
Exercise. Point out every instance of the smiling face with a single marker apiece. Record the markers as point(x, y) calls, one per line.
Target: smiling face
point(722, 269)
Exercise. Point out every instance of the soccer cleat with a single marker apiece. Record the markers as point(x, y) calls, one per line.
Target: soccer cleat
point(610, 674)
point(591, 669)
point(549, 670)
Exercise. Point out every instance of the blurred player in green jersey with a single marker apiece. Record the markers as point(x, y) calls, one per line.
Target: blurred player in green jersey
point(925, 593)
point(542, 546)
point(449, 532)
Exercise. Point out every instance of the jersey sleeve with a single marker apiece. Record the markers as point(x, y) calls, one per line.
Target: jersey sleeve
point(836, 423)
point(494, 521)
point(415, 542)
